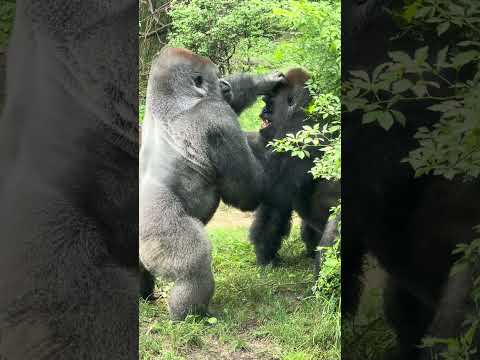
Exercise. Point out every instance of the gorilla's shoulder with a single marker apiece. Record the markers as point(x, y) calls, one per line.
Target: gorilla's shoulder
point(218, 114)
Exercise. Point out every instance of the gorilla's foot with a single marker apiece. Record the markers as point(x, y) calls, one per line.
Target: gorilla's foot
point(147, 285)
point(264, 260)
point(310, 252)
point(180, 313)
point(191, 297)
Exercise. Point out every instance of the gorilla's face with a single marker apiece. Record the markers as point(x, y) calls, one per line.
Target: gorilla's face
point(198, 75)
point(284, 107)
point(274, 114)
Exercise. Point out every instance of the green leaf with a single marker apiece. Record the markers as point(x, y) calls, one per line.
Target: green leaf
point(421, 55)
point(361, 75)
point(442, 57)
point(370, 117)
point(419, 90)
point(386, 120)
point(401, 86)
point(212, 320)
point(399, 117)
point(464, 58)
point(401, 57)
point(441, 28)
point(378, 70)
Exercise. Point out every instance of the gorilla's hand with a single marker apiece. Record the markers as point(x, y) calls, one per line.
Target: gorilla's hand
point(257, 144)
point(266, 83)
point(226, 89)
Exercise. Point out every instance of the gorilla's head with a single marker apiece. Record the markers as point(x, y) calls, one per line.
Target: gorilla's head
point(179, 73)
point(363, 20)
point(285, 106)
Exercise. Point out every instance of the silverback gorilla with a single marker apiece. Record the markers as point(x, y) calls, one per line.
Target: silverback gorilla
point(410, 225)
point(193, 155)
point(68, 180)
point(289, 185)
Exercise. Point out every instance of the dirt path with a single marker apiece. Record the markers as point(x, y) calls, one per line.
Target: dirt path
point(227, 216)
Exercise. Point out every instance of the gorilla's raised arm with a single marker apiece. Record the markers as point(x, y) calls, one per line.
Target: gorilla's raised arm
point(246, 88)
point(257, 144)
point(240, 172)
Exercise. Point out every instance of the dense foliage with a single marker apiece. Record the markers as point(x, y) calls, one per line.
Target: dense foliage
point(451, 147)
point(7, 13)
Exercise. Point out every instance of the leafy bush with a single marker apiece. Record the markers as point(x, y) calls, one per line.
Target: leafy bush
point(7, 14)
point(329, 281)
point(217, 29)
point(451, 147)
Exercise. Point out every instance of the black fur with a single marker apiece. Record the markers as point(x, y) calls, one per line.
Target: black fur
point(411, 225)
point(289, 185)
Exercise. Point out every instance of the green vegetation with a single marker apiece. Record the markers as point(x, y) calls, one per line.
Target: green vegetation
point(7, 13)
point(276, 312)
point(259, 313)
point(450, 148)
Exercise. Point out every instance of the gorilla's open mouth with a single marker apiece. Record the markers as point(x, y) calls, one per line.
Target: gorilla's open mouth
point(265, 116)
point(265, 123)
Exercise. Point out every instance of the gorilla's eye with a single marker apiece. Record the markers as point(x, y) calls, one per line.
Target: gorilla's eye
point(198, 81)
point(290, 100)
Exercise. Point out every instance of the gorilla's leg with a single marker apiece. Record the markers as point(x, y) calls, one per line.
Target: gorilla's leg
point(268, 228)
point(409, 317)
point(454, 306)
point(353, 255)
point(174, 246)
point(191, 295)
point(328, 239)
point(147, 283)
point(311, 238)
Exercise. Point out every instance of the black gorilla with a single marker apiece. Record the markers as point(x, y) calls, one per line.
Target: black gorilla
point(411, 225)
point(193, 155)
point(289, 185)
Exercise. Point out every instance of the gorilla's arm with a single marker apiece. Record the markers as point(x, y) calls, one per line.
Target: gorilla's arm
point(246, 88)
point(328, 239)
point(240, 174)
point(257, 144)
point(283, 188)
point(270, 226)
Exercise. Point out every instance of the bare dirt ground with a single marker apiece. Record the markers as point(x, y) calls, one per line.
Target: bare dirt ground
point(227, 216)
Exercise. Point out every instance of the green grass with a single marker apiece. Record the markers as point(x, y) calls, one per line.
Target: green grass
point(369, 336)
point(260, 313)
point(249, 119)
